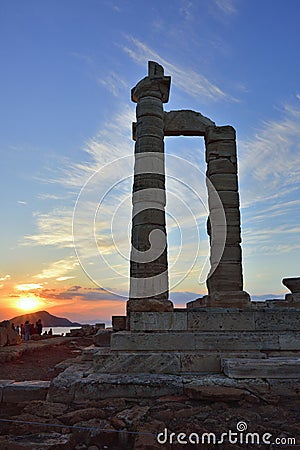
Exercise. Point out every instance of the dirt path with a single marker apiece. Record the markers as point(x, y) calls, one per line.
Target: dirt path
point(39, 363)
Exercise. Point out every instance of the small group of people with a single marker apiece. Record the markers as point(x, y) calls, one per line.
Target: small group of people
point(27, 329)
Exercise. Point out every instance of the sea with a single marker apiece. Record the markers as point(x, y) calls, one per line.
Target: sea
point(59, 330)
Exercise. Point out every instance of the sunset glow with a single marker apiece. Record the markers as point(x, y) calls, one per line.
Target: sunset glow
point(29, 303)
point(68, 152)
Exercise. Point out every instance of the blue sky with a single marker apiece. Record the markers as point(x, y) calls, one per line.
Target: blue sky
point(67, 71)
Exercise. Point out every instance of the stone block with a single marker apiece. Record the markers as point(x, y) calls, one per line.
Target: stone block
point(220, 149)
point(221, 166)
point(197, 362)
point(262, 368)
point(214, 341)
point(148, 215)
point(102, 338)
point(224, 285)
point(230, 253)
point(229, 199)
point(280, 319)
point(293, 284)
point(62, 387)
point(289, 340)
point(220, 319)
point(230, 234)
point(149, 145)
point(185, 123)
point(294, 299)
point(236, 341)
point(156, 341)
point(150, 163)
point(150, 107)
point(159, 321)
point(149, 126)
point(149, 305)
point(119, 323)
point(137, 362)
point(224, 181)
point(23, 391)
point(229, 299)
point(100, 386)
point(215, 133)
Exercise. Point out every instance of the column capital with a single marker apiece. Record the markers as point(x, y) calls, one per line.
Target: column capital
point(154, 85)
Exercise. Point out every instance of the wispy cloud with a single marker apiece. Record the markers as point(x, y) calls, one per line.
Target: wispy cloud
point(79, 292)
point(28, 287)
point(227, 7)
point(270, 161)
point(54, 228)
point(114, 83)
point(5, 278)
point(188, 80)
point(58, 268)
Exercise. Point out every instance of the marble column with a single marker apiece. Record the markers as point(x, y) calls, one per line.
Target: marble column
point(225, 281)
point(148, 259)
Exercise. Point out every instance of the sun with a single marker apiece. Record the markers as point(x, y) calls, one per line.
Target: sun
point(29, 303)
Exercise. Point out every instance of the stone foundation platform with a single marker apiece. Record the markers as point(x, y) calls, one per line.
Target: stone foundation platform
point(79, 383)
point(165, 352)
point(197, 340)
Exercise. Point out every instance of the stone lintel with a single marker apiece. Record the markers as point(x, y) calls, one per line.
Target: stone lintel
point(185, 123)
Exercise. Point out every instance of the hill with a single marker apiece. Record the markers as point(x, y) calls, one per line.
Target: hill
point(48, 320)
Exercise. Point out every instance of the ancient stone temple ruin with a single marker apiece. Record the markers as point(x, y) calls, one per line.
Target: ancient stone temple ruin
point(149, 279)
point(222, 338)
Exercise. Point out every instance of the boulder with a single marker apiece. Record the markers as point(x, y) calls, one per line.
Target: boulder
point(7, 335)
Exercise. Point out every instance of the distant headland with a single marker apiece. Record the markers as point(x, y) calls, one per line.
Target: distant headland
point(48, 320)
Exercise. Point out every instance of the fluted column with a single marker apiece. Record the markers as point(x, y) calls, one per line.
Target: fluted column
point(149, 260)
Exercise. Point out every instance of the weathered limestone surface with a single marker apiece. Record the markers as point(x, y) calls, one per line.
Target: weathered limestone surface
point(21, 391)
point(262, 368)
point(226, 274)
point(293, 284)
point(172, 362)
point(85, 386)
point(208, 341)
point(259, 318)
point(148, 259)
point(185, 123)
point(102, 338)
point(163, 321)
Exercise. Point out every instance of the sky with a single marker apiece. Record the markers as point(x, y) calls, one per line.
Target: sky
point(67, 70)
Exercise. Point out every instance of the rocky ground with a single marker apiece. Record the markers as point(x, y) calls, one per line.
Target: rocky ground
point(130, 423)
point(38, 360)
